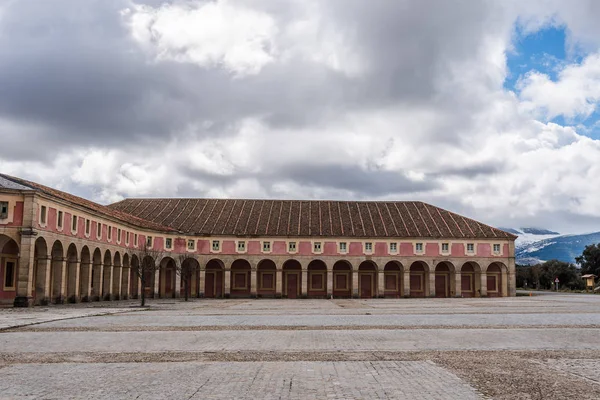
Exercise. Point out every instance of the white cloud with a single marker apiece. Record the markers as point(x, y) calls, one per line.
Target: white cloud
point(208, 34)
point(576, 92)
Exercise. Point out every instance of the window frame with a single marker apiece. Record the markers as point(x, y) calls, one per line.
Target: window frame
point(419, 248)
point(345, 249)
point(472, 251)
point(74, 223)
point(43, 220)
point(447, 250)
point(494, 251)
point(119, 235)
point(318, 247)
point(109, 233)
point(240, 246)
point(88, 227)
point(98, 230)
point(168, 243)
point(149, 242)
point(368, 247)
point(135, 240)
point(217, 248)
point(266, 246)
point(60, 220)
point(289, 247)
point(393, 250)
point(187, 245)
point(4, 214)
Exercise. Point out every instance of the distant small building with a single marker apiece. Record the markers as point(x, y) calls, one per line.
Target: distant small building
point(589, 281)
point(56, 247)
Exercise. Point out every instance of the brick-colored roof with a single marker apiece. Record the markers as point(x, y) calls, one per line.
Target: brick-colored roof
point(239, 217)
point(104, 210)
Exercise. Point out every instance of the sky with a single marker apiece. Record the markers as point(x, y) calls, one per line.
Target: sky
point(486, 108)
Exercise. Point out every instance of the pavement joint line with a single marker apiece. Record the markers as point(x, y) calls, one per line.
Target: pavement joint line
point(100, 314)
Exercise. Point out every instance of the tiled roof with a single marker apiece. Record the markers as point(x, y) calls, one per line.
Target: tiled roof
point(302, 218)
point(11, 182)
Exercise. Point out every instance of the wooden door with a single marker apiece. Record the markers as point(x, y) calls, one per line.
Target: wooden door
point(366, 282)
point(466, 285)
point(417, 285)
point(209, 286)
point(493, 287)
point(292, 285)
point(441, 285)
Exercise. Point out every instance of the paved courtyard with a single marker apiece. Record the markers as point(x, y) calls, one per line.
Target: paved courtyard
point(510, 348)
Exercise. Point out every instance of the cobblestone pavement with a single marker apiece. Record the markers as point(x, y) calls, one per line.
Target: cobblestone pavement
point(543, 347)
point(256, 380)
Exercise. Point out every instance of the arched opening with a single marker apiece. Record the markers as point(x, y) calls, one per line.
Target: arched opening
point(107, 276)
point(85, 274)
point(167, 278)
point(444, 279)
point(392, 280)
point(125, 276)
point(116, 279)
point(240, 278)
point(214, 284)
point(72, 274)
point(9, 264)
point(189, 277)
point(134, 278)
point(367, 280)
point(57, 273)
point(317, 279)
point(41, 273)
point(267, 279)
point(97, 272)
point(292, 279)
point(496, 278)
point(148, 277)
point(342, 279)
point(419, 279)
point(470, 280)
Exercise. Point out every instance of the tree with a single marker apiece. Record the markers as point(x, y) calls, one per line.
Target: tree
point(590, 260)
point(149, 263)
point(185, 269)
point(542, 276)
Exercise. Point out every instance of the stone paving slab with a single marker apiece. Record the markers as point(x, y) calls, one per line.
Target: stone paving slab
point(15, 317)
point(303, 340)
point(251, 380)
point(584, 369)
point(183, 319)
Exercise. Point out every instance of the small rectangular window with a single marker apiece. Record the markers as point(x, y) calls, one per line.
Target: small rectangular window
point(241, 246)
point(419, 247)
point(191, 244)
point(393, 247)
point(368, 247)
point(74, 223)
point(135, 240)
point(126, 237)
point(317, 247)
point(98, 230)
point(266, 246)
point(119, 235)
point(109, 230)
point(3, 209)
point(292, 247)
point(87, 226)
point(59, 221)
point(9, 274)
point(168, 243)
point(43, 215)
point(445, 247)
point(343, 247)
point(496, 248)
point(149, 241)
point(470, 248)
point(216, 245)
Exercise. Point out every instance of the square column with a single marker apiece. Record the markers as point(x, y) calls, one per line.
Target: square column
point(107, 284)
point(431, 284)
point(177, 289)
point(329, 283)
point(156, 289)
point(85, 280)
point(253, 282)
point(201, 281)
point(279, 282)
point(354, 283)
point(227, 278)
point(380, 284)
point(483, 284)
point(304, 289)
point(406, 283)
point(458, 284)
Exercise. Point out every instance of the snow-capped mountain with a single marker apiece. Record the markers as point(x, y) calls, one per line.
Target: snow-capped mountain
point(538, 245)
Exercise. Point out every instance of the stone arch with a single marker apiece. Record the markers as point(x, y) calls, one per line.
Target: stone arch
point(240, 278)
point(342, 279)
point(496, 279)
point(190, 268)
point(9, 267)
point(317, 279)
point(367, 279)
point(393, 279)
point(267, 284)
point(97, 275)
point(470, 279)
point(107, 269)
point(125, 276)
point(445, 279)
point(85, 273)
point(292, 279)
point(134, 278)
point(214, 282)
point(116, 278)
point(72, 274)
point(148, 276)
point(167, 278)
point(41, 272)
point(419, 279)
point(57, 273)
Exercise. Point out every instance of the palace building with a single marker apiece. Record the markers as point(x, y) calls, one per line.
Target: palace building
point(56, 248)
